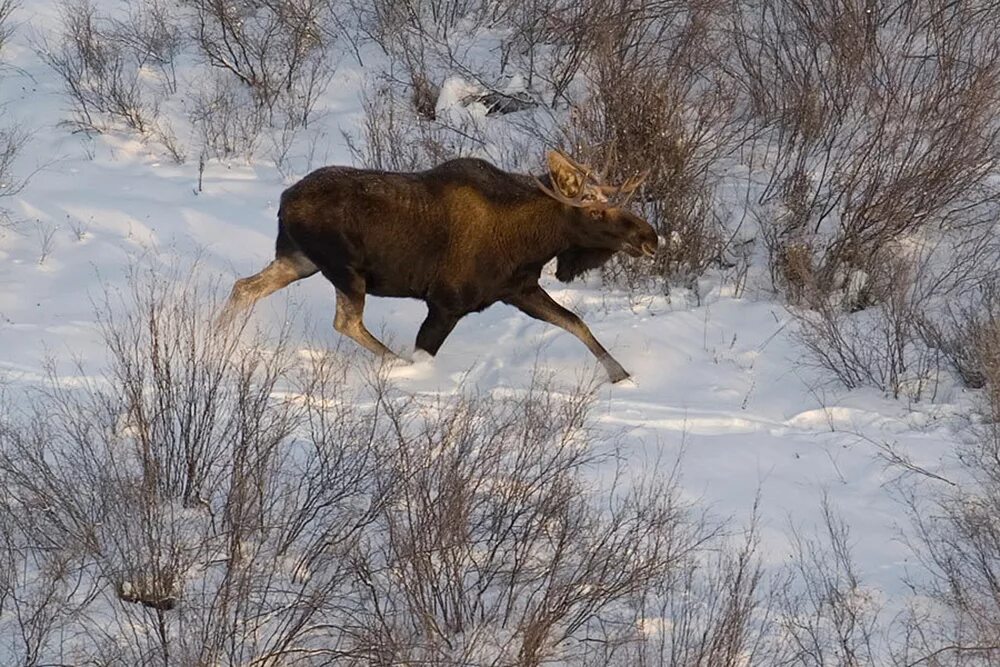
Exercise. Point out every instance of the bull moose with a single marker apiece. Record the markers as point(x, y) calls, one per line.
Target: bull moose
point(461, 237)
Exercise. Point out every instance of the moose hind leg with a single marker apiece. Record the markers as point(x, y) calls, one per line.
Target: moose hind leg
point(538, 304)
point(350, 322)
point(283, 271)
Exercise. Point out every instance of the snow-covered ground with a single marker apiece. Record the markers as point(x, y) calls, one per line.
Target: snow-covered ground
point(720, 383)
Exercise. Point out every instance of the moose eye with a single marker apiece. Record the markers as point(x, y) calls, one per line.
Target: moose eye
point(595, 212)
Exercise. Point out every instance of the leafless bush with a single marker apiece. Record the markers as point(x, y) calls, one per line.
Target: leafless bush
point(497, 549)
point(958, 543)
point(12, 138)
point(957, 534)
point(427, 41)
point(719, 609)
point(12, 142)
point(273, 60)
point(281, 50)
point(916, 306)
point(880, 346)
point(98, 75)
point(227, 121)
point(387, 138)
point(828, 615)
point(103, 61)
point(657, 104)
point(209, 514)
point(152, 31)
point(46, 236)
point(555, 40)
point(877, 123)
point(432, 20)
point(394, 136)
point(969, 337)
point(7, 8)
point(40, 590)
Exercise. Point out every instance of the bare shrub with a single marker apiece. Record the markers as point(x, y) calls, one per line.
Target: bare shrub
point(12, 142)
point(916, 306)
point(46, 236)
point(827, 614)
point(496, 546)
point(878, 346)
point(7, 8)
point(209, 514)
point(958, 543)
point(281, 50)
point(793, 268)
point(273, 60)
point(99, 76)
point(387, 134)
point(164, 133)
point(879, 144)
point(226, 120)
point(886, 131)
point(394, 137)
point(152, 31)
point(969, 336)
point(13, 137)
point(104, 60)
point(718, 609)
point(657, 104)
point(554, 40)
point(40, 589)
point(427, 41)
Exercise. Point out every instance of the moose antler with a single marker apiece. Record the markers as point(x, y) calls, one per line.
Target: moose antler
point(588, 172)
point(598, 178)
point(594, 182)
point(576, 202)
point(630, 186)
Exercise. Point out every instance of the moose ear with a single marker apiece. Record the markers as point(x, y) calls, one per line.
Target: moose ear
point(565, 176)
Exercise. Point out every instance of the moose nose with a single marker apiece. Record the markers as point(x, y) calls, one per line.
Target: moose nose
point(649, 248)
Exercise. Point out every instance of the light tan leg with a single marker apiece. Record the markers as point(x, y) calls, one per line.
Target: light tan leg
point(349, 321)
point(538, 304)
point(282, 272)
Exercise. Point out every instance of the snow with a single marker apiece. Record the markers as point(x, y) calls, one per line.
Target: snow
point(454, 99)
point(720, 383)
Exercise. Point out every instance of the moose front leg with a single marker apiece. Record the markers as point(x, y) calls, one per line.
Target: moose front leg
point(435, 329)
point(538, 304)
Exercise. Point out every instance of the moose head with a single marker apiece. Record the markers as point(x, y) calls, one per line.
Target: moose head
point(603, 222)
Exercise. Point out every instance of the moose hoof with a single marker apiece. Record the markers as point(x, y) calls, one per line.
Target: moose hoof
point(422, 356)
point(393, 359)
point(618, 377)
point(615, 371)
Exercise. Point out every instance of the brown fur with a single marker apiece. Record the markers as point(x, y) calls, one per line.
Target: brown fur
point(461, 237)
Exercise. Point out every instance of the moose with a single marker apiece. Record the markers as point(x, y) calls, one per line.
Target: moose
point(460, 236)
